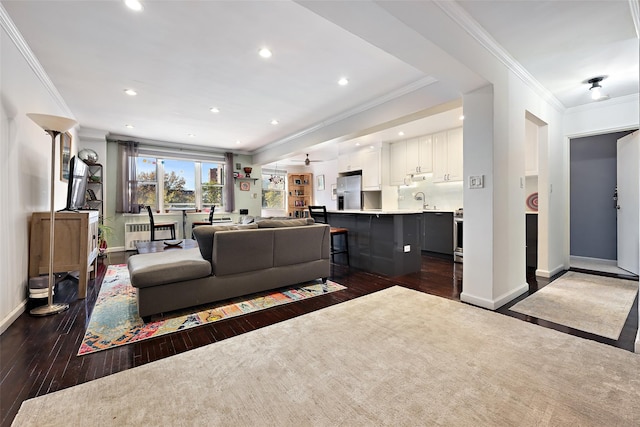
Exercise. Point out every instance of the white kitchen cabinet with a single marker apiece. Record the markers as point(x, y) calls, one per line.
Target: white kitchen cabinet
point(350, 162)
point(419, 155)
point(409, 157)
point(371, 169)
point(447, 156)
point(397, 162)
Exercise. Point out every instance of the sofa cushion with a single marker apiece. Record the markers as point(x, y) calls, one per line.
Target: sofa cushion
point(241, 252)
point(297, 245)
point(277, 223)
point(204, 235)
point(172, 265)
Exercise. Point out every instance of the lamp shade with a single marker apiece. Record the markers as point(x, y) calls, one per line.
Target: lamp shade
point(54, 123)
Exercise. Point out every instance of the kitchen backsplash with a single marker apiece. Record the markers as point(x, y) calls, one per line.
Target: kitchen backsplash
point(442, 195)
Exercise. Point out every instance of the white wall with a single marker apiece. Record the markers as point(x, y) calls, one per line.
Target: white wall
point(330, 171)
point(25, 159)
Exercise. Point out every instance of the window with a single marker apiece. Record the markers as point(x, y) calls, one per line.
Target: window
point(186, 183)
point(273, 189)
point(212, 184)
point(147, 185)
point(179, 187)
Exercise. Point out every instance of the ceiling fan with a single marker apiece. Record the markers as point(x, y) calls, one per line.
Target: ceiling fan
point(308, 161)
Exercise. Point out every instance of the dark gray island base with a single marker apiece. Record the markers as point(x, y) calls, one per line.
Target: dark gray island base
point(386, 243)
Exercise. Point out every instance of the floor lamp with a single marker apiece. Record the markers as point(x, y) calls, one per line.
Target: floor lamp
point(54, 126)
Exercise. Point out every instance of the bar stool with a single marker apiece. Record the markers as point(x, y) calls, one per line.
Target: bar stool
point(319, 214)
point(160, 226)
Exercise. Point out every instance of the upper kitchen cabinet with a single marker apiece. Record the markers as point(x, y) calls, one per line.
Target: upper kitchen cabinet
point(371, 169)
point(367, 160)
point(350, 162)
point(410, 157)
point(447, 156)
point(419, 155)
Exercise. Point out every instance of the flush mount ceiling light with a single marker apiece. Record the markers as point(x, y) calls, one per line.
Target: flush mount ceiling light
point(133, 5)
point(130, 92)
point(129, 126)
point(214, 110)
point(191, 135)
point(596, 88)
point(343, 81)
point(265, 53)
point(274, 122)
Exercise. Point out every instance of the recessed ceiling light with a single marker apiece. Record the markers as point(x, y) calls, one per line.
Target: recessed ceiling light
point(237, 141)
point(214, 110)
point(130, 92)
point(461, 117)
point(191, 135)
point(357, 144)
point(265, 53)
point(401, 133)
point(274, 122)
point(134, 5)
point(129, 126)
point(343, 81)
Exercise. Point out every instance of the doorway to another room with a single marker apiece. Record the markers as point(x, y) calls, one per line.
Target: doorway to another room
point(601, 239)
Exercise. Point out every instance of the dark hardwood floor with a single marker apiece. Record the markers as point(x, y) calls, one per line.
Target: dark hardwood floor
point(38, 355)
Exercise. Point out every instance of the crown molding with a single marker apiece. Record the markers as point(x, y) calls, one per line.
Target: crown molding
point(411, 87)
point(14, 35)
point(460, 16)
point(634, 5)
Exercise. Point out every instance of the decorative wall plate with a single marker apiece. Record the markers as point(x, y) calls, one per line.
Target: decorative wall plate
point(532, 202)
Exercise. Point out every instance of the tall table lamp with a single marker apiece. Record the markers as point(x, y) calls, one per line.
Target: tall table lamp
point(54, 126)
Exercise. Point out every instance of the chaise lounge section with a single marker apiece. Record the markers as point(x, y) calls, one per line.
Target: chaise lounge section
point(231, 261)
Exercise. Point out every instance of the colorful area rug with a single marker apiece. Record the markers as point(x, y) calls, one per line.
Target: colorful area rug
point(115, 320)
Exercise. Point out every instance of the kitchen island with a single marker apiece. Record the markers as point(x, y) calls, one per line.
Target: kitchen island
point(385, 242)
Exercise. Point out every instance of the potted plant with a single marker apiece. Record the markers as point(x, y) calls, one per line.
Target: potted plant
point(104, 233)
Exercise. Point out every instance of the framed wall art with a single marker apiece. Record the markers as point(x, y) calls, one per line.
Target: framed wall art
point(320, 182)
point(65, 156)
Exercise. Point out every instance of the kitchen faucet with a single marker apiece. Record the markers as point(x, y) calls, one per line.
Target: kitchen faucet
point(423, 198)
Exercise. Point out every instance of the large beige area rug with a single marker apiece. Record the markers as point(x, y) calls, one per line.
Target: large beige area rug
point(396, 357)
point(587, 302)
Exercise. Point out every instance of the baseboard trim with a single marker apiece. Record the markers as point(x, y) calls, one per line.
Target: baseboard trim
point(548, 274)
point(11, 317)
point(496, 303)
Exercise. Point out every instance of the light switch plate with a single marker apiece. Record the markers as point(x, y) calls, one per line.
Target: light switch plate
point(476, 181)
point(407, 248)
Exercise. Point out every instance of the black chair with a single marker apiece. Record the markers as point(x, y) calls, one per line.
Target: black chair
point(153, 226)
point(319, 214)
point(195, 224)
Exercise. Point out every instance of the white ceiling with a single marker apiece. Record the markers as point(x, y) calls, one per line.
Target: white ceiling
point(184, 57)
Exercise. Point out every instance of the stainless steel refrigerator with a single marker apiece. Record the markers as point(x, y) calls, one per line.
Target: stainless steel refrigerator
point(349, 192)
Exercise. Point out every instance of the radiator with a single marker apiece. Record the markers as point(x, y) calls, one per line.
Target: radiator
point(140, 232)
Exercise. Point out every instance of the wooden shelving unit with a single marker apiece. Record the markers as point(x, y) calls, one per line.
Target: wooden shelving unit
point(300, 187)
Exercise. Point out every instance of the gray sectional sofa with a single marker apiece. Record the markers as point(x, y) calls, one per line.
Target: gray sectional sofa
point(231, 261)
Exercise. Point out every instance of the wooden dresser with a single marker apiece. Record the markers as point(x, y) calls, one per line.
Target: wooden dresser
point(75, 246)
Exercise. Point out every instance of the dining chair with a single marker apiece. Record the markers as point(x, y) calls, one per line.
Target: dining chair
point(319, 215)
point(209, 221)
point(160, 226)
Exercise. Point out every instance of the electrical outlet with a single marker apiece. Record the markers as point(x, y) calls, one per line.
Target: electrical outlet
point(476, 181)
